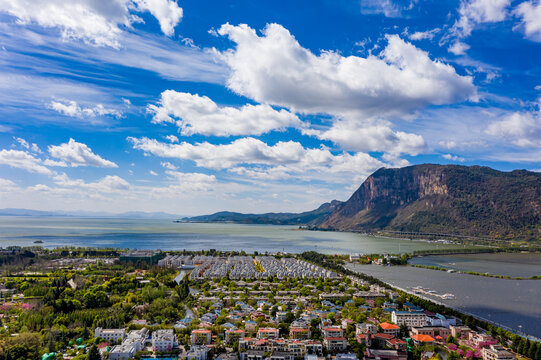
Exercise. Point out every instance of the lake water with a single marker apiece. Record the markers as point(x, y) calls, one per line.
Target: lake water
point(167, 235)
point(512, 303)
point(511, 264)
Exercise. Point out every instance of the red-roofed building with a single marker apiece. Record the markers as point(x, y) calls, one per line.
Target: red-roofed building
point(299, 333)
point(390, 329)
point(267, 333)
point(201, 337)
point(422, 339)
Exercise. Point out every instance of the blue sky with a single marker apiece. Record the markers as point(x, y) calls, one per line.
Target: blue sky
point(194, 106)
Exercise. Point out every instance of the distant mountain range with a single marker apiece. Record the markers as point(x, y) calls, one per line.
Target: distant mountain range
point(88, 214)
point(446, 199)
point(306, 218)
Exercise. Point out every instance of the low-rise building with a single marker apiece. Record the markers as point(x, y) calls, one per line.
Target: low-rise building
point(365, 328)
point(233, 335)
point(390, 329)
point(122, 352)
point(299, 333)
point(433, 331)
point(201, 337)
point(164, 340)
point(334, 344)
point(252, 355)
point(110, 334)
point(497, 352)
point(333, 332)
point(376, 354)
point(267, 333)
point(197, 353)
point(410, 318)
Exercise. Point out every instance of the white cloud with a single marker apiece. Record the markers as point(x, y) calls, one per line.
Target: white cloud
point(424, 35)
point(530, 14)
point(94, 22)
point(107, 184)
point(276, 69)
point(389, 8)
point(168, 165)
point(453, 157)
point(351, 135)
point(521, 128)
point(78, 154)
point(200, 115)
point(172, 138)
point(7, 186)
point(458, 48)
point(23, 160)
point(473, 12)
point(22, 142)
point(71, 108)
point(450, 144)
point(252, 157)
point(167, 12)
point(153, 173)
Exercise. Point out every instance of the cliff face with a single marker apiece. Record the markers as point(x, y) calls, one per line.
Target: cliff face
point(474, 200)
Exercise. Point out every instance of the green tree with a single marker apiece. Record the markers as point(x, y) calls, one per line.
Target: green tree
point(93, 353)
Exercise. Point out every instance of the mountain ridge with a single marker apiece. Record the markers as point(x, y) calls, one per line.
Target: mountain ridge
point(473, 201)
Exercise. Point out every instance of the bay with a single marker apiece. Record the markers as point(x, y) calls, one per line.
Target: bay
point(512, 303)
point(510, 264)
point(167, 235)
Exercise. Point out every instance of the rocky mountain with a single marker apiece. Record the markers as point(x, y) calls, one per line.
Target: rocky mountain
point(449, 199)
point(306, 218)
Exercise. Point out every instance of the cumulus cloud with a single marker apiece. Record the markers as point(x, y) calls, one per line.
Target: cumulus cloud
point(71, 108)
point(473, 12)
point(275, 69)
point(371, 137)
point(521, 128)
point(23, 160)
point(195, 114)
point(167, 12)
point(172, 138)
point(453, 157)
point(107, 184)
point(168, 165)
point(458, 48)
point(530, 14)
point(254, 158)
point(25, 144)
point(78, 154)
point(94, 22)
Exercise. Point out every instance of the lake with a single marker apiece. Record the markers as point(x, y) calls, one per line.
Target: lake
point(167, 235)
point(511, 264)
point(512, 303)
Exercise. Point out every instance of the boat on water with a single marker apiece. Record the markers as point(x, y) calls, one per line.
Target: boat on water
point(38, 242)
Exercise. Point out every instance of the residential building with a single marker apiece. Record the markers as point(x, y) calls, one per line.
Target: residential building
point(197, 353)
point(233, 335)
point(390, 329)
point(201, 337)
point(282, 355)
point(422, 339)
point(365, 328)
point(164, 340)
point(110, 334)
point(410, 318)
point(375, 354)
point(333, 332)
point(433, 331)
point(299, 333)
point(497, 352)
point(334, 344)
point(122, 352)
point(252, 355)
point(267, 333)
